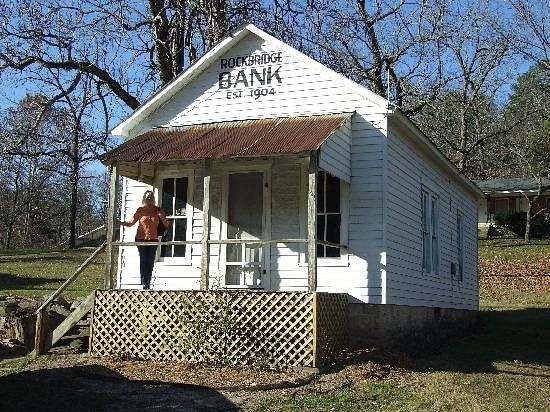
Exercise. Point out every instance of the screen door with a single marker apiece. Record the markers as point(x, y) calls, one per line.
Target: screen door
point(243, 262)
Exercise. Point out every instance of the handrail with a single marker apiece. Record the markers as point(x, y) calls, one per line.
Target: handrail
point(70, 279)
point(226, 242)
point(83, 235)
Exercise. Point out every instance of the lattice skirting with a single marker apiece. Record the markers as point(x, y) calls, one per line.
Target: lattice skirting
point(271, 328)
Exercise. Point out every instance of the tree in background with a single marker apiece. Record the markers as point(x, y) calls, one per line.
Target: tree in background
point(36, 142)
point(447, 64)
point(530, 142)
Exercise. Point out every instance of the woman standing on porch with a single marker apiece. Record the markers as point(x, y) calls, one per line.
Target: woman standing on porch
point(148, 215)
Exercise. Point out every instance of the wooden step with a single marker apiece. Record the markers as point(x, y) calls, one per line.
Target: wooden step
point(82, 310)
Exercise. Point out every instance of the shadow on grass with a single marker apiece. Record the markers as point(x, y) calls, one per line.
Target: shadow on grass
point(61, 257)
point(96, 388)
point(505, 336)
point(9, 281)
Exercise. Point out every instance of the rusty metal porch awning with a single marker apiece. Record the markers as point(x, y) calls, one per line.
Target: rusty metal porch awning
point(284, 135)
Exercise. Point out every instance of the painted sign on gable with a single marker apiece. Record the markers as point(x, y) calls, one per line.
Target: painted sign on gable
point(252, 76)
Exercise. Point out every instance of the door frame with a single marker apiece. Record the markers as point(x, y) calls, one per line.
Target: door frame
point(265, 169)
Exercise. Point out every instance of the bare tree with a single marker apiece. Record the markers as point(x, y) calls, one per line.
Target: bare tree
point(27, 175)
point(465, 120)
point(127, 47)
point(390, 46)
point(531, 30)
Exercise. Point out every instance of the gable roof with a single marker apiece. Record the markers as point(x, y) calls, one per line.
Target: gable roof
point(515, 184)
point(185, 77)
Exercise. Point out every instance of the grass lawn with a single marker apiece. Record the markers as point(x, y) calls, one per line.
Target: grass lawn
point(504, 366)
point(43, 271)
point(514, 249)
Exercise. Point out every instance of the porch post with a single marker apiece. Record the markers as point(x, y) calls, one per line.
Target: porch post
point(205, 226)
point(109, 278)
point(312, 223)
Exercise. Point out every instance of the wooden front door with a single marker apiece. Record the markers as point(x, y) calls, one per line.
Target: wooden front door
point(245, 212)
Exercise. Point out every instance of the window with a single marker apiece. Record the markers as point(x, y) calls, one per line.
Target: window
point(430, 232)
point(174, 202)
point(329, 216)
point(501, 206)
point(460, 244)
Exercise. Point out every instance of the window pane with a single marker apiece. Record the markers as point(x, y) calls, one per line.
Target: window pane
point(434, 218)
point(321, 234)
point(333, 252)
point(180, 232)
point(320, 192)
point(321, 227)
point(245, 205)
point(166, 251)
point(333, 229)
point(181, 196)
point(320, 251)
point(253, 253)
point(233, 252)
point(435, 242)
point(501, 207)
point(435, 256)
point(424, 211)
point(427, 254)
point(333, 235)
point(167, 196)
point(233, 275)
point(252, 276)
point(460, 238)
point(332, 194)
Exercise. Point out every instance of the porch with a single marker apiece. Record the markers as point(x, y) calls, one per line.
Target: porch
point(255, 210)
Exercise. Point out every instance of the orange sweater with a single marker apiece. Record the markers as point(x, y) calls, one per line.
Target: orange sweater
point(148, 222)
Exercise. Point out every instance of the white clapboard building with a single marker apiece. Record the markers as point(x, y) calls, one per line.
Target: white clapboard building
point(306, 181)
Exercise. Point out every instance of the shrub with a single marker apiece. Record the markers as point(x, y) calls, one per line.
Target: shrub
point(540, 225)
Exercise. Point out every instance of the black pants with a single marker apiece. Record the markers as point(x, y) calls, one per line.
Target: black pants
point(146, 263)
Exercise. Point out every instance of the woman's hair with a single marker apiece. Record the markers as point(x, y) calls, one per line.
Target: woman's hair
point(147, 195)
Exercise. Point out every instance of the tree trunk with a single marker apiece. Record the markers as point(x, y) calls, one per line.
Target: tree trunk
point(75, 164)
point(528, 224)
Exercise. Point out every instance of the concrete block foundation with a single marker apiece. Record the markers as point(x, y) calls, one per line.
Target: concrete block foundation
point(405, 326)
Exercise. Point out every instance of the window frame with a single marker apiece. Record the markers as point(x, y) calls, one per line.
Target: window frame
point(430, 231)
point(342, 260)
point(460, 252)
point(189, 210)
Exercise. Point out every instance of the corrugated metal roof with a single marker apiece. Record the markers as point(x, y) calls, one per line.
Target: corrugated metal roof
point(284, 135)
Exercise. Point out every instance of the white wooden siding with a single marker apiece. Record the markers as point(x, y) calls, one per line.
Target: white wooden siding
point(335, 153)
point(303, 91)
point(408, 169)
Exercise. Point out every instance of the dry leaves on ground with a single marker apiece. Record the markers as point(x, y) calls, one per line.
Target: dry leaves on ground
point(524, 276)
